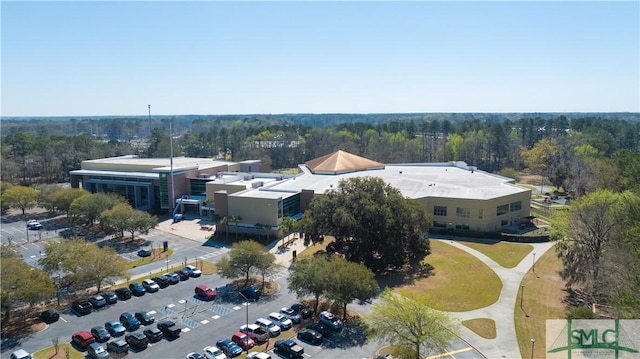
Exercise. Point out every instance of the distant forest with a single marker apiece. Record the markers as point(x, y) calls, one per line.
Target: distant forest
point(576, 151)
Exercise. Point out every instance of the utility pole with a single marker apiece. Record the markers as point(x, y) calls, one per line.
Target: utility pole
point(149, 106)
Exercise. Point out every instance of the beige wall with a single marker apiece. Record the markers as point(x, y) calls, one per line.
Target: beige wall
point(212, 188)
point(254, 210)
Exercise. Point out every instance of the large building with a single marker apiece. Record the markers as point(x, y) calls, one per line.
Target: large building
point(457, 196)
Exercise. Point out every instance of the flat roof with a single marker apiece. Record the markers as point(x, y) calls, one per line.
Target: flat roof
point(265, 194)
point(125, 174)
point(416, 181)
point(159, 164)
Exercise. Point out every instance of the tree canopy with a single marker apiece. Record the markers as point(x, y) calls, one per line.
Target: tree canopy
point(372, 222)
point(409, 325)
point(90, 207)
point(123, 218)
point(246, 257)
point(20, 197)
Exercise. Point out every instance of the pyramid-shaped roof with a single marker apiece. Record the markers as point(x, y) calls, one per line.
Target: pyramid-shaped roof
point(341, 162)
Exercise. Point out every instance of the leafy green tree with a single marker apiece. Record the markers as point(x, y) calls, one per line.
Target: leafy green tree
point(21, 283)
point(409, 325)
point(83, 262)
point(244, 258)
point(123, 218)
point(372, 222)
point(266, 265)
point(286, 225)
point(46, 195)
point(586, 231)
point(3, 187)
point(308, 276)
point(62, 199)
point(349, 280)
point(142, 222)
point(20, 197)
point(235, 220)
point(90, 207)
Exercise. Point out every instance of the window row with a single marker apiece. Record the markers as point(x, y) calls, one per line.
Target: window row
point(461, 212)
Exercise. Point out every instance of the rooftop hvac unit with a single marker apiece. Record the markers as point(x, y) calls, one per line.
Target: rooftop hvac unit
point(249, 177)
point(257, 184)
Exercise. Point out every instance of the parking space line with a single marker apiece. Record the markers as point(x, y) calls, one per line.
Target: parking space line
point(451, 353)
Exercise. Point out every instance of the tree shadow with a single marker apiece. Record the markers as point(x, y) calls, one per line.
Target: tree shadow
point(407, 276)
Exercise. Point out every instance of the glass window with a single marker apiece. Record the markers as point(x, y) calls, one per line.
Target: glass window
point(502, 209)
point(440, 211)
point(462, 226)
point(439, 225)
point(463, 212)
point(516, 206)
point(480, 213)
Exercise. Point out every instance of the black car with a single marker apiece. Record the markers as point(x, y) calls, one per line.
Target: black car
point(302, 310)
point(321, 328)
point(119, 346)
point(169, 328)
point(153, 334)
point(144, 253)
point(82, 307)
point(145, 317)
point(162, 280)
point(137, 340)
point(129, 321)
point(50, 316)
point(137, 289)
point(289, 348)
point(183, 274)
point(101, 334)
point(250, 293)
point(173, 277)
point(110, 297)
point(123, 293)
point(310, 336)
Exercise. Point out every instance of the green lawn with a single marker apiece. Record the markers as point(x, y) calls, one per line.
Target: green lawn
point(484, 327)
point(505, 254)
point(50, 352)
point(459, 283)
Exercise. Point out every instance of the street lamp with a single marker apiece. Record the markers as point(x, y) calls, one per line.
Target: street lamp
point(521, 295)
point(534, 263)
point(533, 344)
point(246, 335)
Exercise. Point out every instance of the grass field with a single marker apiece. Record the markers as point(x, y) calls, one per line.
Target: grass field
point(50, 352)
point(505, 254)
point(484, 327)
point(459, 283)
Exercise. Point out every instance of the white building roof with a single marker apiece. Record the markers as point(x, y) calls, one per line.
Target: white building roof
point(159, 164)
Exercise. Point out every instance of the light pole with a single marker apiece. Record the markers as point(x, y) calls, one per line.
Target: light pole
point(534, 263)
point(246, 335)
point(521, 296)
point(533, 344)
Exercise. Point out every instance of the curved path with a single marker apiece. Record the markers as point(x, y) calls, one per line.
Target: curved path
point(505, 345)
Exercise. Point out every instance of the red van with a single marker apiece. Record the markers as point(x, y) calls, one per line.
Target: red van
point(204, 292)
point(243, 340)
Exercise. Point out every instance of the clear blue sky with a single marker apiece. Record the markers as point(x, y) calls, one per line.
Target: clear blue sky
point(115, 58)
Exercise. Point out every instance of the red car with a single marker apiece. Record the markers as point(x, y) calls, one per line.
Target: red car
point(82, 339)
point(243, 340)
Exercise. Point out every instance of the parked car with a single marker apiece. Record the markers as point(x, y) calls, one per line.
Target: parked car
point(289, 348)
point(291, 314)
point(21, 354)
point(269, 326)
point(310, 336)
point(144, 253)
point(110, 297)
point(169, 328)
point(258, 355)
point(97, 351)
point(123, 293)
point(194, 355)
point(50, 316)
point(137, 340)
point(82, 307)
point(229, 348)
point(243, 340)
point(193, 271)
point(252, 293)
point(205, 293)
point(183, 274)
point(115, 328)
point(282, 321)
point(119, 346)
point(323, 329)
point(97, 301)
point(145, 318)
point(153, 334)
point(82, 339)
point(129, 321)
point(212, 352)
point(255, 332)
point(302, 310)
point(101, 334)
point(330, 320)
point(151, 285)
point(173, 278)
point(34, 225)
point(137, 289)
point(162, 280)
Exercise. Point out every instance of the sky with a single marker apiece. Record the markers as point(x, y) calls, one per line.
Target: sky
point(90, 58)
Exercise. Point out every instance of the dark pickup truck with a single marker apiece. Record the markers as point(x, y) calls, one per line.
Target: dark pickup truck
point(169, 328)
point(289, 348)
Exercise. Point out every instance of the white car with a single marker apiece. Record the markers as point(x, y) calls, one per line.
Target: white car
point(193, 271)
point(291, 314)
point(150, 285)
point(213, 352)
point(284, 322)
point(269, 326)
point(330, 320)
point(34, 225)
point(258, 355)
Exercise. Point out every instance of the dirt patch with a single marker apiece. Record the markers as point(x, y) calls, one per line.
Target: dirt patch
point(19, 326)
point(269, 287)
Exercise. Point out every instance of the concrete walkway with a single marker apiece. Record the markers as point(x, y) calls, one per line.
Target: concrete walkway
point(505, 345)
